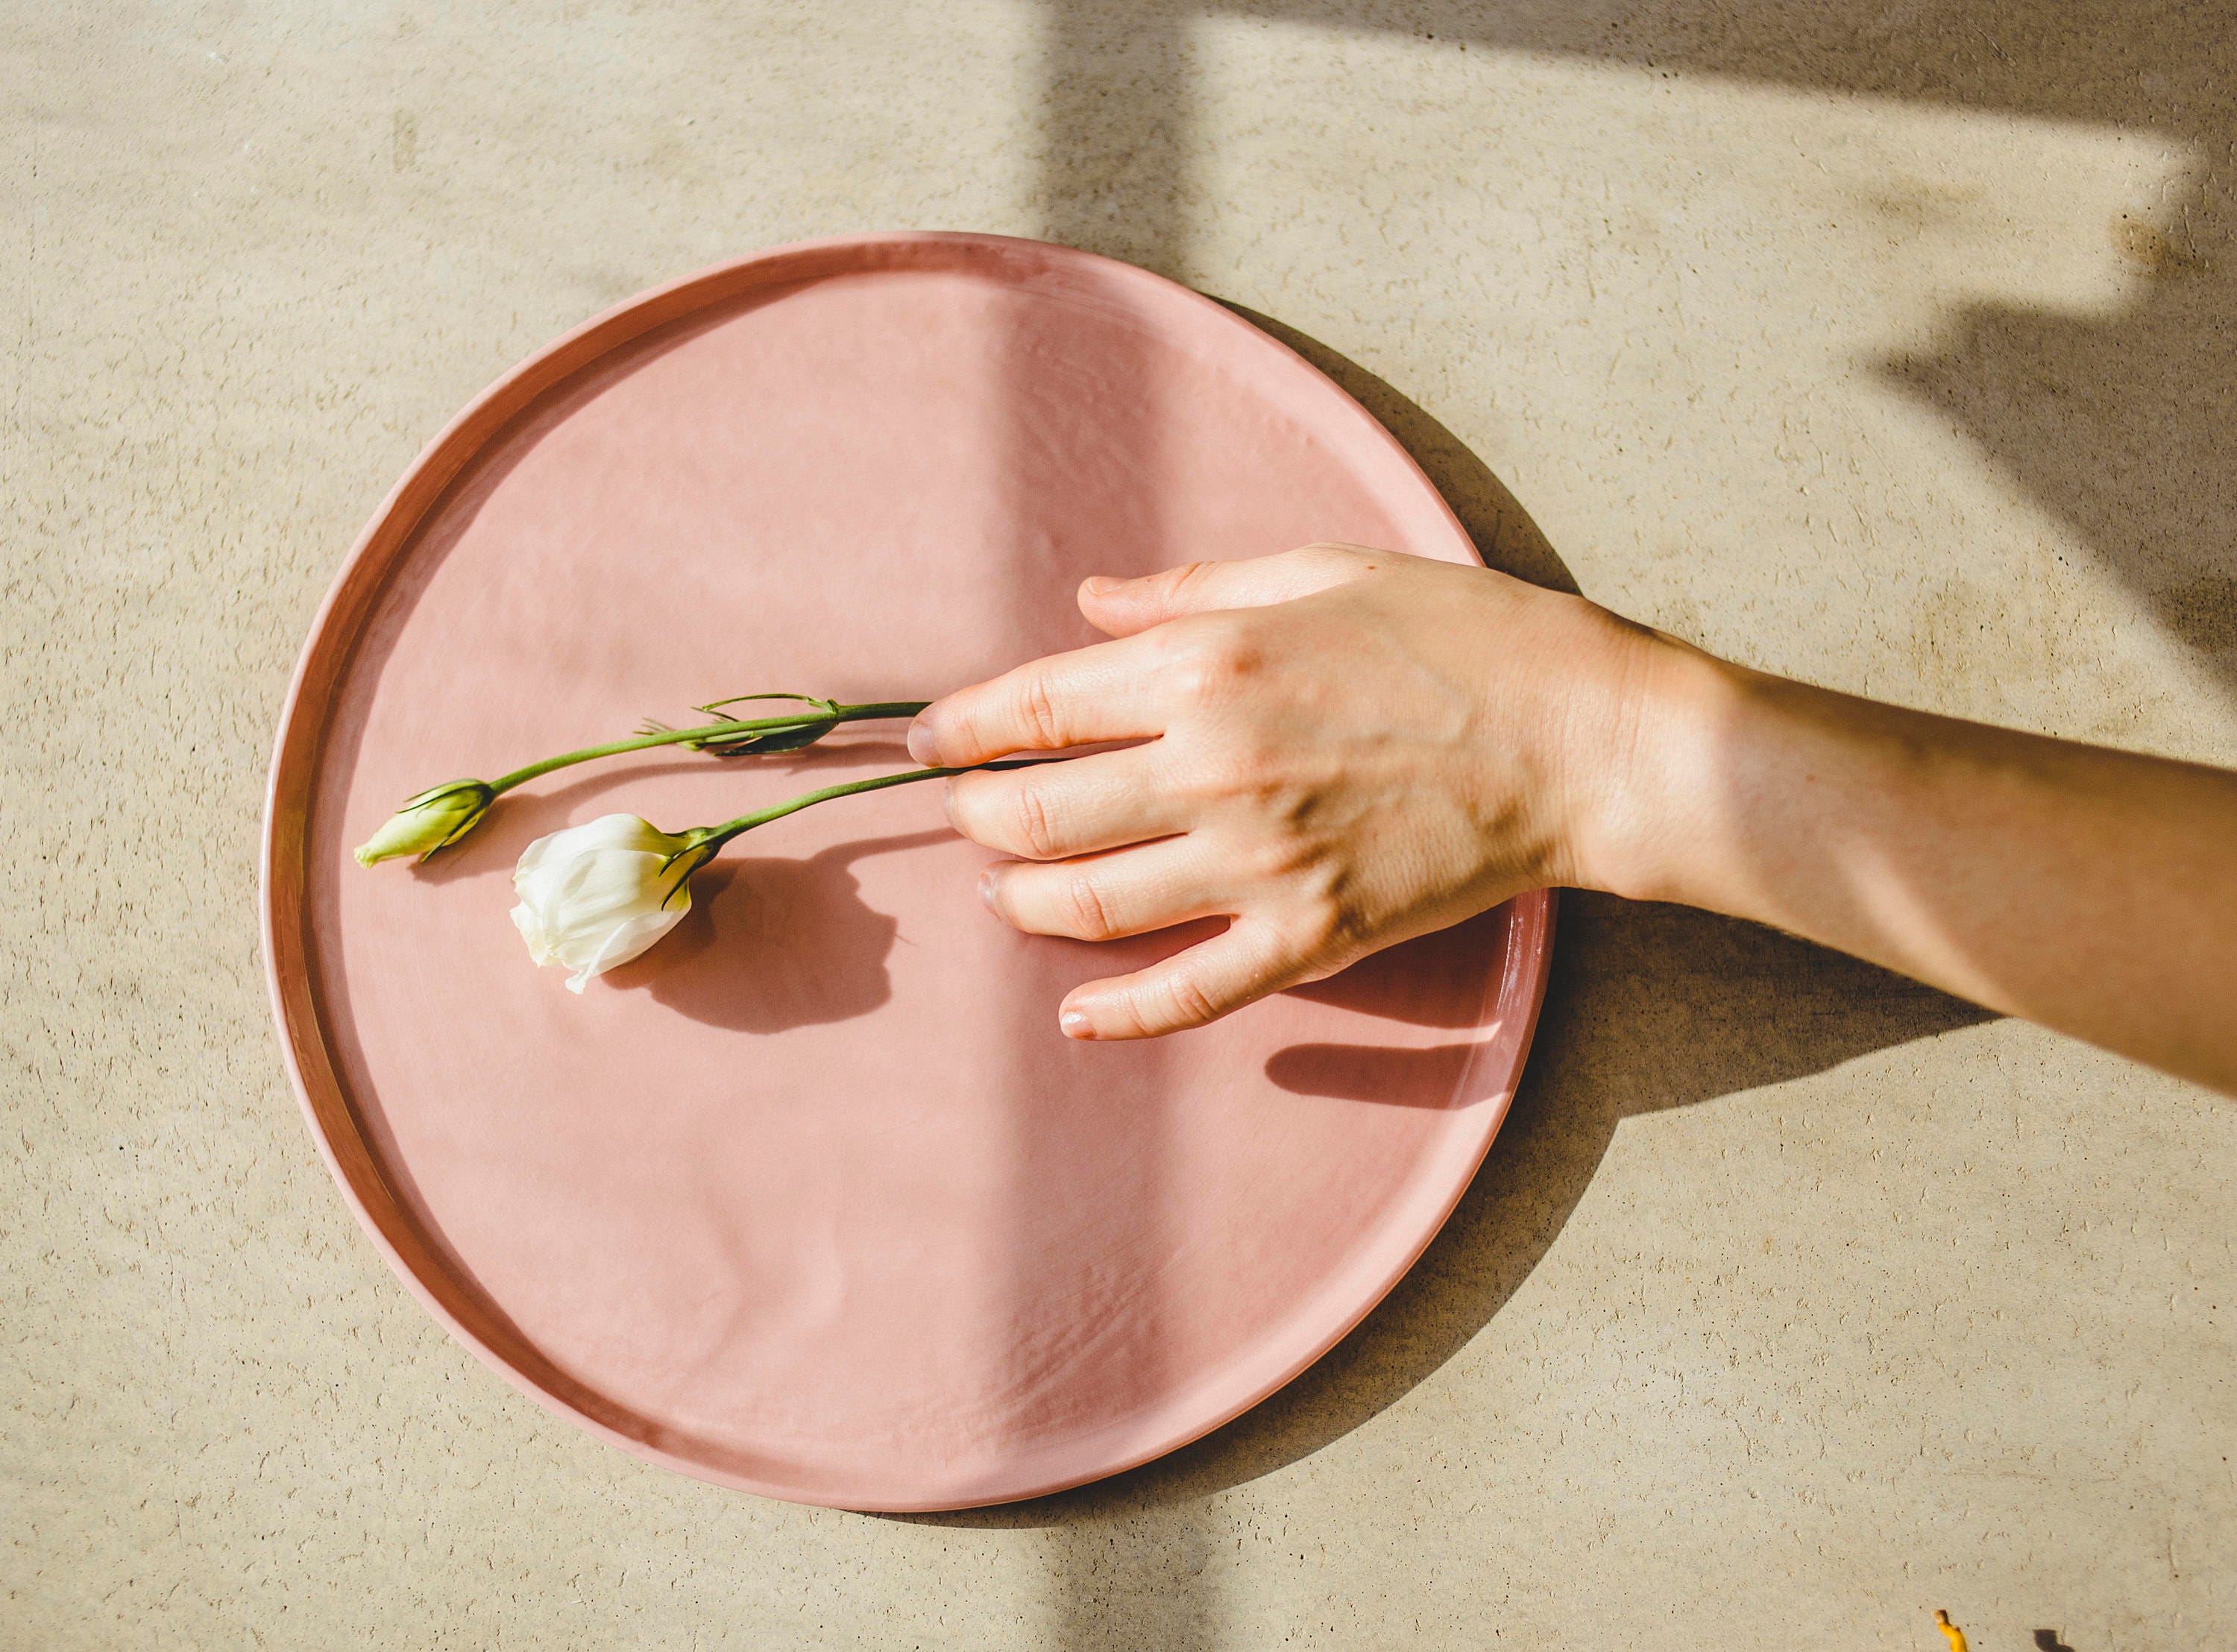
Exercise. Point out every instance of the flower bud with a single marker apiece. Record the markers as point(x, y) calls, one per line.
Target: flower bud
point(440, 815)
point(594, 896)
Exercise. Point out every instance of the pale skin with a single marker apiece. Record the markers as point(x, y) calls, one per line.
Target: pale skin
point(1341, 748)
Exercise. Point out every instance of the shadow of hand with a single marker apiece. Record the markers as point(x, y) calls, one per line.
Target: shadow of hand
point(1649, 1008)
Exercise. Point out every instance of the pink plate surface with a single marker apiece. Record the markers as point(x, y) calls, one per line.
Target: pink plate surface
point(813, 1199)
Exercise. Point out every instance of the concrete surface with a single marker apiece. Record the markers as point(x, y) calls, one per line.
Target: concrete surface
point(1890, 348)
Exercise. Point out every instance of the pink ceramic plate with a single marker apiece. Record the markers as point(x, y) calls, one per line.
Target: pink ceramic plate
point(813, 1199)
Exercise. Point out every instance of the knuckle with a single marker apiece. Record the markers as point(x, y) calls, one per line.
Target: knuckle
point(1030, 816)
point(1241, 764)
point(1215, 657)
point(1219, 775)
point(1191, 1004)
point(1036, 711)
point(1089, 914)
point(1083, 910)
point(1341, 563)
point(1189, 578)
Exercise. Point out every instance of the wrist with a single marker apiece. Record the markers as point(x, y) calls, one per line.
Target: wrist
point(1637, 825)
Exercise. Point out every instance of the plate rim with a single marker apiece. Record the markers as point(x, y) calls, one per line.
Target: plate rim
point(330, 645)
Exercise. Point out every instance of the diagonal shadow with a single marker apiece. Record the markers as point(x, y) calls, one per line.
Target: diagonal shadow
point(1506, 537)
point(2118, 426)
point(1650, 1007)
point(1113, 173)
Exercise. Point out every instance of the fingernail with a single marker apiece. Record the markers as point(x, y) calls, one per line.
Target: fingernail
point(921, 746)
point(987, 889)
point(1100, 585)
point(1074, 1023)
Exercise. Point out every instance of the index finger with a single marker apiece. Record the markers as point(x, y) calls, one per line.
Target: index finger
point(1100, 693)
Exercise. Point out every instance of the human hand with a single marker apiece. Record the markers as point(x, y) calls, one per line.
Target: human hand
point(1341, 748)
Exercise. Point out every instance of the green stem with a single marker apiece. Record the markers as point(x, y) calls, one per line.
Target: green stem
point(709, 732)
point(717, 836)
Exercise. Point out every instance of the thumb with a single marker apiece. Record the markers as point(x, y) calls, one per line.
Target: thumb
point(1122, 607)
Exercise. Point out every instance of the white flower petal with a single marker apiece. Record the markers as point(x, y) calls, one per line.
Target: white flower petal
point(635, 937)
point(596, 896)
point(531, 931)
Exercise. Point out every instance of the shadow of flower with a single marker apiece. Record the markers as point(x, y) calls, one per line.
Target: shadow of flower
point(773, 943)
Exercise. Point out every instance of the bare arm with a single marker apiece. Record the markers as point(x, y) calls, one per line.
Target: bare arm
point(2093, 891)
point(1345, 748)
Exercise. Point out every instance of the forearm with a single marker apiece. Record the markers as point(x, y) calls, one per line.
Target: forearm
point(2093, 891)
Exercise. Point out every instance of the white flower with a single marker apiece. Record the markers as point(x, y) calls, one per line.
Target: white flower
point(596, 896)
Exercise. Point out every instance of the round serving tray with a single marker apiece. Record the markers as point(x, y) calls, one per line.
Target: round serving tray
point(813, 1199)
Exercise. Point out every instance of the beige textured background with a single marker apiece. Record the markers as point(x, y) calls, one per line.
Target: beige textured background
point(1891, 347)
